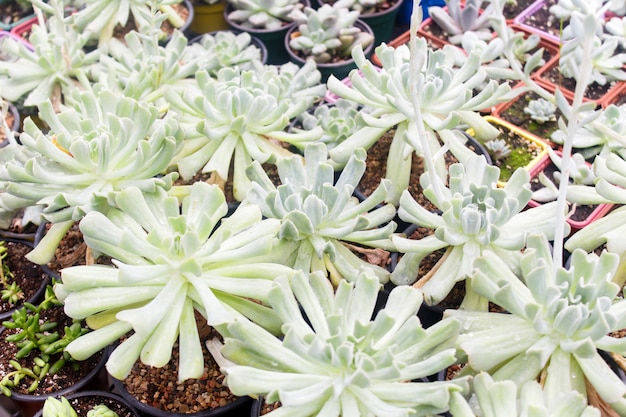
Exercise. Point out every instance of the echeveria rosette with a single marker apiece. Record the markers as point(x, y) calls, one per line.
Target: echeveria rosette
point(460, 18)
point(53, 67)
point(169, 262)
point(101, 145)
point(491, 398)
point(142, 68)
point(99, 18)
point(475, 215)
point(262, 14)
point(328, 33)
point(224, 49)
point(320, 218)
point(343, 362)
point(240, 117)
point(558, 320)
point(444, 95)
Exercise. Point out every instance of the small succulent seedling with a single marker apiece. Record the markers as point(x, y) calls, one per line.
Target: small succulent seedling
point(498, 148)
point(541, 110)
point(43, 339)
point(11, 292)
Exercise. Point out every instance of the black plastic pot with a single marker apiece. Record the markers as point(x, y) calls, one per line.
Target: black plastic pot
point(237, 408)
point(382, 22)
point(338, 69)
point(41, 271)
point(28, 405)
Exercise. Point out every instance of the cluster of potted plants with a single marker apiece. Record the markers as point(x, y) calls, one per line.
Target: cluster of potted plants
point(225, 248)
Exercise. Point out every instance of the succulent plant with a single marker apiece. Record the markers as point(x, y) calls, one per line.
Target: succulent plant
point(11, 292)
point(58, 408)
point(565, 9)
point(37, 345)
point(101, 410)
point(492, 398)
point(610, 170)
point(169, 262)
point(460, 18)
point(142, 68)
point(102, 145)
point(581, 177)
point(616, 27)
point(363, 6)
point(338, 121)
point(55, 66)
point(476, 216)
point(328, 33)
point(225, 49)
point(606, 64)
point(559, 318)
point(445, 100)
point(343, 363)
point(498, 148)
point(541, 110)
point(601, 130)
point(262, 14)
point(320, 219)
point(99, 18)
point(62, 408)
point(239, 116)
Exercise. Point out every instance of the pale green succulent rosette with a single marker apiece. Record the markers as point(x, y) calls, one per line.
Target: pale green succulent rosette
point(101, 145)
point(142, 68)
point(476, 216)
point(239, 117)
point(503, 398)
point(58, 408)
point(320, 218)
point(343, 362)
point(558, 320)
point(57, 65)
point(262, 14)
point(169, 262)
point(99, 18)
point(224, 49)
point(444, 94)
point(62, 408)
point(328, 33)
